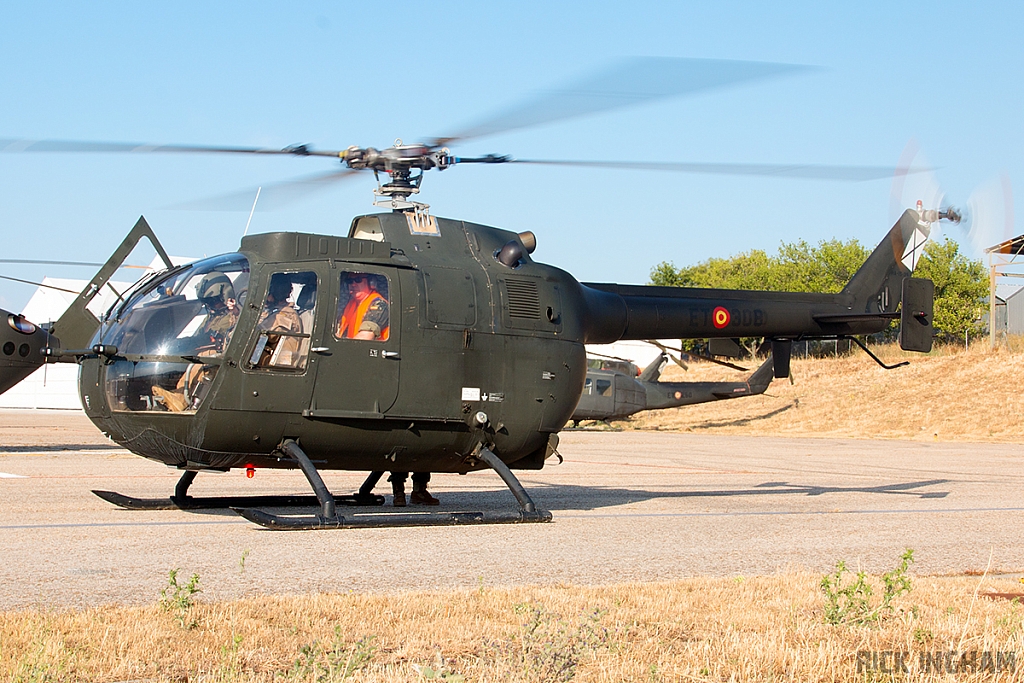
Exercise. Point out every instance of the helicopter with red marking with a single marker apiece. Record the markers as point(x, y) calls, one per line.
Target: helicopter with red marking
point(414, 343)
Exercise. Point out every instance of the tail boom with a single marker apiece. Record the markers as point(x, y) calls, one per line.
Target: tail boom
point(866, 305)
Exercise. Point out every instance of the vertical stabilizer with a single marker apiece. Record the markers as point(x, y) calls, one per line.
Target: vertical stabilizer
point(877, 286)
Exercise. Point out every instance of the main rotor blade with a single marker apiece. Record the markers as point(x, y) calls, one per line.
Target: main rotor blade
point(14, 145)
point(37, 284)
point(48, 263)
point(627, 82)
point(34, 262)
point(806, 171)
point(272, 196)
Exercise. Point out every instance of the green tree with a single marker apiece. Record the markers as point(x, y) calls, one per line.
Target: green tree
point(825, 268)
point(961, 289)
point(798, 267)
point(750, 270)
point(665, 274)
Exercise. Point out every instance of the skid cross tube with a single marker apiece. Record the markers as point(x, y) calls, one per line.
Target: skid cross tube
point(291, 448)
point(367, 488)
point(495, 463)
point(181, 488)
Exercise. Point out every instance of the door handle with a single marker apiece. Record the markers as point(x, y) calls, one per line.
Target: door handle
point(320, 349)
point(390, 354)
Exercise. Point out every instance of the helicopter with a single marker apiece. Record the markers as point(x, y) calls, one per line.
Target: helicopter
point(415, 342)
point(616, 388)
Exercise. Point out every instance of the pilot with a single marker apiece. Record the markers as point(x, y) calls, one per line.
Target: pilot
point(419, 496)
point(279, 315)
point(367, 314)
point(217, 295)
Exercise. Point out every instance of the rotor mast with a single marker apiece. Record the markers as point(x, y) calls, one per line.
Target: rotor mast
point(404, 164)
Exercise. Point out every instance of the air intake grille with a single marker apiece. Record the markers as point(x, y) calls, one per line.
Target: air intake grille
point(523, 301)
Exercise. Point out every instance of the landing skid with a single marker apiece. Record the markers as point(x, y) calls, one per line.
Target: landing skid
point(225, 502)
point(182, 501)
point(319, 522)
point(328, 518)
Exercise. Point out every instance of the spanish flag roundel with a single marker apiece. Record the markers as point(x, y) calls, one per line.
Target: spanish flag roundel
point(720, 317)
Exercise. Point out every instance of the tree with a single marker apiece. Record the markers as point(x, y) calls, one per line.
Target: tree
point(825, 268)
point(798, 267)
point(750, 270)
point(961, 289)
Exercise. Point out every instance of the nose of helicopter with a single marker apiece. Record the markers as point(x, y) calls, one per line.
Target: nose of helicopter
point(21, 345)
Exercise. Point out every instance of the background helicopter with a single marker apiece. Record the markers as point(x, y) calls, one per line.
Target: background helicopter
point(481, 359)
point(616, 388)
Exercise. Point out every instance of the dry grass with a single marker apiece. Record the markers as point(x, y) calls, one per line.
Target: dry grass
point(950, 395)
point(766, 628)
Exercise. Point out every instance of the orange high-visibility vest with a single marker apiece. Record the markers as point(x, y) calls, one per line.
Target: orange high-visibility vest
point(352, 318)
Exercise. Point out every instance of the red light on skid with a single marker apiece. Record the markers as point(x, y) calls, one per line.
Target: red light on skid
point(250, 471)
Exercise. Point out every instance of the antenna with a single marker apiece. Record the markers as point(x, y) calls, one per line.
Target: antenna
point(252, 210)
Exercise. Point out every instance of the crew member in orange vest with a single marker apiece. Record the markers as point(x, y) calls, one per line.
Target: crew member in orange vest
point(367, 313)
point(366, 317)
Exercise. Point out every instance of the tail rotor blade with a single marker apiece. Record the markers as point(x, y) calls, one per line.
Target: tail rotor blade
point(988, 219)
point(913, 180)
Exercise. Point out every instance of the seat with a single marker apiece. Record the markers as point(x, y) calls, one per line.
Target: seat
point(305, 304)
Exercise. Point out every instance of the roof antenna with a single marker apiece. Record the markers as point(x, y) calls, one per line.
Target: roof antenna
point(252, 210)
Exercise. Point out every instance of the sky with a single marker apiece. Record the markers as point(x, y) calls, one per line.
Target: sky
point(939, 84)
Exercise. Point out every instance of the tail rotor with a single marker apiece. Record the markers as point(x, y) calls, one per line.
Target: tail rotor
point(986, 218)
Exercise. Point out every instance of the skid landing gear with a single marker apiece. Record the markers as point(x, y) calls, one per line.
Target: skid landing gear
point(182, 501)
point(328, 518)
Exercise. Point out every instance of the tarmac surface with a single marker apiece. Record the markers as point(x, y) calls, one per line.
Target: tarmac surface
point(628, 506)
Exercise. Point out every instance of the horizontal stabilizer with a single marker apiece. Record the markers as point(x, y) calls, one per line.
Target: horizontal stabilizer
point(837, 319)
point(21, 344)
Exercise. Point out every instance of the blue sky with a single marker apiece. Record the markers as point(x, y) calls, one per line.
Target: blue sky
point(944, 78)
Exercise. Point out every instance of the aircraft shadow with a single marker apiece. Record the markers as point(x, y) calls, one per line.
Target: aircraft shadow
point(566, 497)
point(573, 497)
point(743, 421)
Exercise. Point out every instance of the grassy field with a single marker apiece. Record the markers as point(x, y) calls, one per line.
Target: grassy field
point(951, 395)
point(760, 628)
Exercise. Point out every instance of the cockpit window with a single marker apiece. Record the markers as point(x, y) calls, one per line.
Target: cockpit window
point(179, 317)
point(185, 311)
point(364, 308)
point(286, 322)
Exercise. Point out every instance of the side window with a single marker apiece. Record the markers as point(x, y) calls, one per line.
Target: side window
point(364, 307)
point(286, 322)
